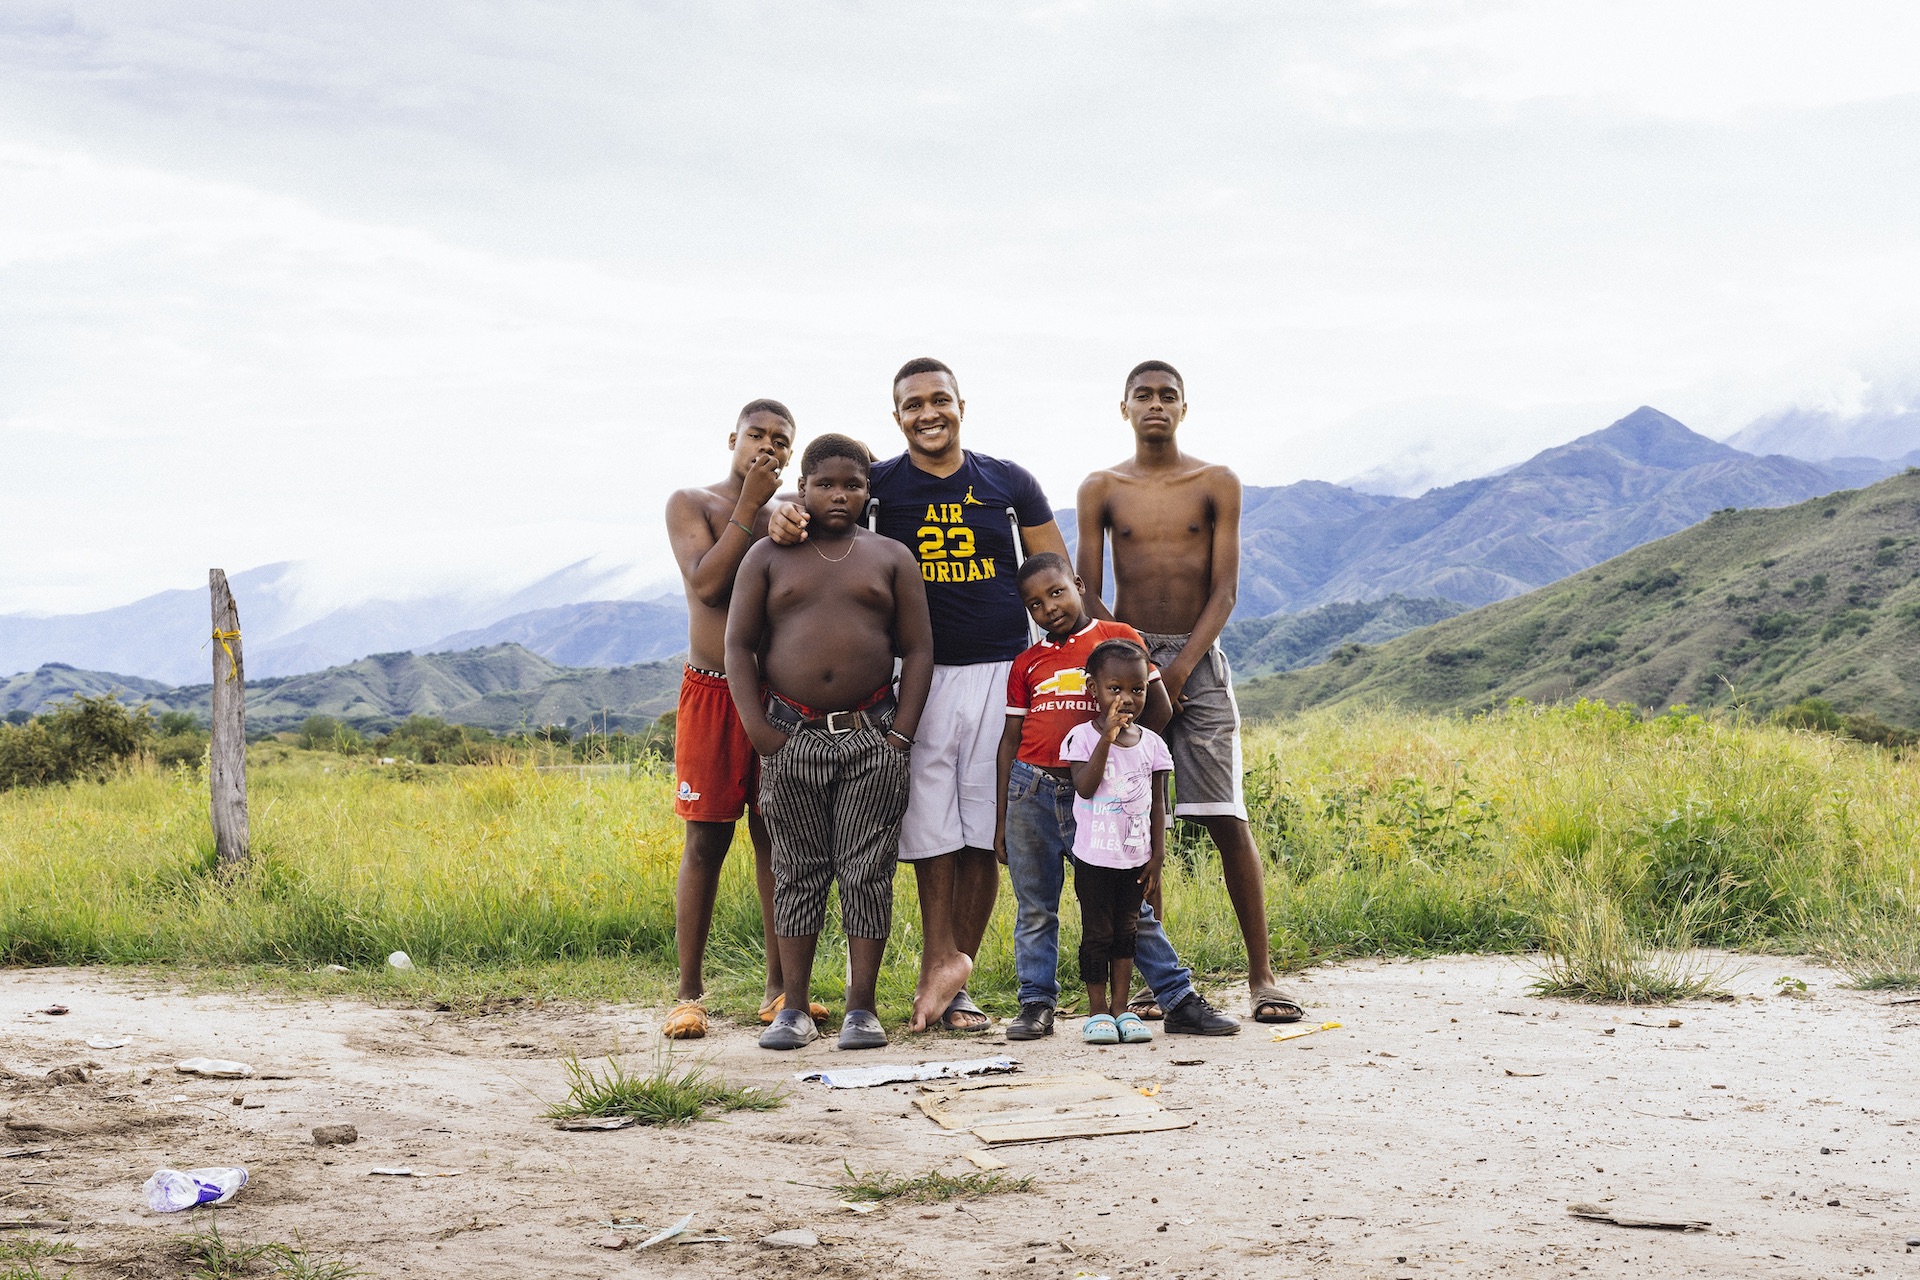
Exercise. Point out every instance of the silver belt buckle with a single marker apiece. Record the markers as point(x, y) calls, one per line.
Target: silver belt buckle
point(834, 727)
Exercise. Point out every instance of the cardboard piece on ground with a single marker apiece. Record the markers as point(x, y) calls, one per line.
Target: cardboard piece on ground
point(13, 1153)
point(985, 1159)
point(1084, 1104)
point(1620, 1217)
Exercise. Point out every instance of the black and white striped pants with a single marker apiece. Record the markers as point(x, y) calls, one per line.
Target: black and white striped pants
point(833, 803)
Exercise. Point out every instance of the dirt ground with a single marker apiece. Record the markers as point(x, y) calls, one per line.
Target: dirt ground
point(1441, 1132)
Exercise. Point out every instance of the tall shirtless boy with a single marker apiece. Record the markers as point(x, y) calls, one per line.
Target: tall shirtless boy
point(716, 773)
point(1174, 522)
point(811, 640)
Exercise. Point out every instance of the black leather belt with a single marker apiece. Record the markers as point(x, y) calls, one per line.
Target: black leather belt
point(878, 716)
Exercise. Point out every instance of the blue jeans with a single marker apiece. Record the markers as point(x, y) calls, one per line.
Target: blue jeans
point(1039, 846)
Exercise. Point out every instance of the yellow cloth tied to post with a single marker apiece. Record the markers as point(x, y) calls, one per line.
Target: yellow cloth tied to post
point(226, 639)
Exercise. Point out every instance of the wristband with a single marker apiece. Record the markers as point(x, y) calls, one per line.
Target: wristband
point(895, 733)
point(742, 528)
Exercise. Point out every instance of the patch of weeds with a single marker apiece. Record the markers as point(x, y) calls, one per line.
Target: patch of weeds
point(1592, 954)
point(662, 1096)
point(217, 1258)
point(1791, 987)
point(1877, 952)
point(20, 1259)
point(928, 1188)
point(294, 1263)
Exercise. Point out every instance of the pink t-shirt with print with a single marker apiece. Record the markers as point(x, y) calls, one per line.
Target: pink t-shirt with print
point(1113, 827)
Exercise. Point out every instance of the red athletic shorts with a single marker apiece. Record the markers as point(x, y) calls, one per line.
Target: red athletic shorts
point(716, 771)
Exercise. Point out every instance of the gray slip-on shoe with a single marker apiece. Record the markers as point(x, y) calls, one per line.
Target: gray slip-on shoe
point(791, 1029)
point(860, 1029)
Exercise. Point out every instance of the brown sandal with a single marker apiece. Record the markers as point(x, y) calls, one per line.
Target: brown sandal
point(687, 1021)
point(1271, 1004)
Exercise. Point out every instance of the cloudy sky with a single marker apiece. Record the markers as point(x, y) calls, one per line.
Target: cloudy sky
point(426, 293)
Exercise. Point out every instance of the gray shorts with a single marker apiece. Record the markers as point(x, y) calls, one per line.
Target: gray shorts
point(1203, 736)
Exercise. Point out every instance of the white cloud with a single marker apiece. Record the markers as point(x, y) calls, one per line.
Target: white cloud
point(420, 294)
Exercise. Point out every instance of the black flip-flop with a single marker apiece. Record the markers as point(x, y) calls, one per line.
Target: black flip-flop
point(963, 1003)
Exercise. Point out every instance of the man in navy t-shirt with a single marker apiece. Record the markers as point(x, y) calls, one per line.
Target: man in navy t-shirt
point(956, 511)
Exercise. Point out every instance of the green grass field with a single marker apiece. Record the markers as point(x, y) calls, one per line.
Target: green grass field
point(1584, 830)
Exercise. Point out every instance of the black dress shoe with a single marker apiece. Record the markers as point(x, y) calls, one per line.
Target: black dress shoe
point(1036, 1022)
point(1195, 1017)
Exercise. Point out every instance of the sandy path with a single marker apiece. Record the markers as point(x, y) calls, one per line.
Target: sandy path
point(1402, 1136)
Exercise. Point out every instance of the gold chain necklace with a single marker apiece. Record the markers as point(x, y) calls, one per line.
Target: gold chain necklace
point(833, 559)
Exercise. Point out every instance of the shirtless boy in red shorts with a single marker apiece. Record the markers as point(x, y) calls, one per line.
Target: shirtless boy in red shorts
point(716, 770)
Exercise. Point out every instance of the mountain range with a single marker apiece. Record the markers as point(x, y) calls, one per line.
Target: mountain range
point(1307, 547)
point(1762, 608)
point(501, 687)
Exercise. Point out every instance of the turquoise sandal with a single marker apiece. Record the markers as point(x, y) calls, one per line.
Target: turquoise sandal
point(1100, 1029)
point(1132, 1030)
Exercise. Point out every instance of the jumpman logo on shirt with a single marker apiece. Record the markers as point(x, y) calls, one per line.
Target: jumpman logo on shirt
point(970, 500)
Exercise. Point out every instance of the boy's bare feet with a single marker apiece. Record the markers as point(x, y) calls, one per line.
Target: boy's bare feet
point(940, 981)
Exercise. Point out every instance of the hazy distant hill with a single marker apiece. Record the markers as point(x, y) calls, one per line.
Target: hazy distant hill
point(164, 636)
point(1822, 434)
point(1562, 510)
point(502, 687)
point(599, 633)
point(1286, 641)
point(31, 690)
point(161, 637)
point(1312, 544)
point(1767, 607)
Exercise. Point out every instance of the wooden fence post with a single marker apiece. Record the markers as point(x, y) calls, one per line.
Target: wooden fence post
point(227, 760)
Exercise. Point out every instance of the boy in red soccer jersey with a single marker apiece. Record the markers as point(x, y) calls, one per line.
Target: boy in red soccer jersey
point(1048, 695)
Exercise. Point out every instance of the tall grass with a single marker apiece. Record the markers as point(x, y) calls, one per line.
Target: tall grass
point(1385, 833)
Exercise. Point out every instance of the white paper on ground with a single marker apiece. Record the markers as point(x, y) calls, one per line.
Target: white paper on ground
point(867, 1077)
point(217, 1068)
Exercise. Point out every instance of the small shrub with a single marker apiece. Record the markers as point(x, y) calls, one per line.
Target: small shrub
point(1854, 620)
point(1809, 713)
point(1708, 867)
point(1772, 626)
point(1654, 580)
point(81, 738)
point(429, 740)
point(1812, 588)
point(1592, 953)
